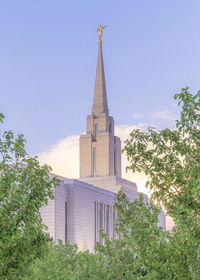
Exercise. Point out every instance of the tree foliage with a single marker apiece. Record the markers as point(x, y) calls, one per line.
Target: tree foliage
point(24, 189)
point(171, 159)
point(66, 263)
point(142, 250)
point(137, 253)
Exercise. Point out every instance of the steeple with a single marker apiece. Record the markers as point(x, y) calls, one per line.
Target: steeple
point(100, 96)
point(100, 149)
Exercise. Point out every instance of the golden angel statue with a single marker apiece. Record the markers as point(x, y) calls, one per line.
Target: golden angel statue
point(100, 29)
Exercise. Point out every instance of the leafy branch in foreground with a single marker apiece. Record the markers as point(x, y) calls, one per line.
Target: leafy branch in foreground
point(171, 159)
point(24, 188)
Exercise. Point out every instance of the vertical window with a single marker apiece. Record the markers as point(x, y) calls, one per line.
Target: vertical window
point(101, 215)
point(110, 128)
point(96, 220)
point(94, 162)
point(96, 129)
point(101, 220)
point(114, 218)
point(65, 222)
point(107, 219)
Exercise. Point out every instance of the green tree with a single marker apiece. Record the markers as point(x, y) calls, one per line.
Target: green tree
point(64, 262)
point(24, 188)
point(171, 159)
point(137, 253)
point(142, 250)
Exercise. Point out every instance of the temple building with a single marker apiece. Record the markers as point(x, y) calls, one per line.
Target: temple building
point(82, 207)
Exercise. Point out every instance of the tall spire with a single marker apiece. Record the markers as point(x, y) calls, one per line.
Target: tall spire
point(100, 149)
point(100, 96)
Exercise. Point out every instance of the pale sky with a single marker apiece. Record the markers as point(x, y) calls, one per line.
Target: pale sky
point(48, 56)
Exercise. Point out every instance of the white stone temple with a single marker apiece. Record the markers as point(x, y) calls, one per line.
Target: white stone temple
point(81, 207)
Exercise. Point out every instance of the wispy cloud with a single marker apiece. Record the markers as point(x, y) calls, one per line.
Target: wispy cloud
point(164, 115)
point(63, 157)
point(123, 131)
point(160, 119)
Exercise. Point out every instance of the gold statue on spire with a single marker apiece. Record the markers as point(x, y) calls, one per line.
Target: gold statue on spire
point(100, 29)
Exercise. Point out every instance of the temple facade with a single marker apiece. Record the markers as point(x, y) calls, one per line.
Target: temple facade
point(82, 207)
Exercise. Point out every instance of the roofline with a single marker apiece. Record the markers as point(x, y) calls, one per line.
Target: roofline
point(87, 186)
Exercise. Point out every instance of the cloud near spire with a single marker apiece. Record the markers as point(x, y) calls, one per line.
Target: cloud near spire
point(63, 157)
